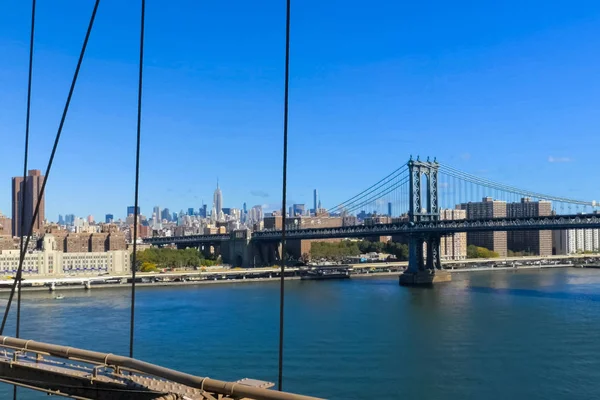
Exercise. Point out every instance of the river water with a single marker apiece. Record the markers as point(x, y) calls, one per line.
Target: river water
point(486, 335)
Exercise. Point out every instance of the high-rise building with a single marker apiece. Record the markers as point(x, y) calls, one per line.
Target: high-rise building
point(109, 218)
point(315, 201)
point(226, 210)
point(190, 211)
point(218, 200)
point(573, 241)
point(90, 219)
point(5, 226)
point(165, 214)
point(297, 209)
point(69, 219)
point(61, 220)
point(454, 246)
point(131, 210)
point(245, 210)
point(156, 214)
point(175, 217)
point(485, 209)
point(390, 208)
point(25, 196)
point(534, 242)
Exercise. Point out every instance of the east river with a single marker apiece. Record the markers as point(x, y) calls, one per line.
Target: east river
point(486, 335)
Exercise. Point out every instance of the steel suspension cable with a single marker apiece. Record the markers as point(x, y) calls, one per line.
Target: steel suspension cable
point(360, 197)
point(485, 182)
point(137, 179)
point(49, 167)
point(24, 183)
point(25, 162)
point(284, 192)
point(378, 195)
point(380, 182)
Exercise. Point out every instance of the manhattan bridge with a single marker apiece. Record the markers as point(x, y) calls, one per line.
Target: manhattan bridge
point(416, 193)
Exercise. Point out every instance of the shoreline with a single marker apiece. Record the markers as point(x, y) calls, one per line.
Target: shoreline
point(273, 279)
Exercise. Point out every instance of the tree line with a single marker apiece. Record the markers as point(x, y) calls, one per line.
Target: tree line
point(339, 251)
point(156, 258)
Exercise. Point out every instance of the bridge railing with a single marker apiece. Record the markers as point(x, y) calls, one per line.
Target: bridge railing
point(121, 363)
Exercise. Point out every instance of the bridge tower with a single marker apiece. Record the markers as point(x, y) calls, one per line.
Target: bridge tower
point(424, 263)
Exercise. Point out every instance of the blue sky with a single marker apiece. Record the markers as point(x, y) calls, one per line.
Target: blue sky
point(507, 90)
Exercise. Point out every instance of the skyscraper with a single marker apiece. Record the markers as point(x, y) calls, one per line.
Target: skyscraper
point(191, 211)
point(389, 208)
point(109, 218)
point(165, 214)
point(315, 201)
point(61, 220)
point(31, 188)
point(218, 201)
point(131, 210)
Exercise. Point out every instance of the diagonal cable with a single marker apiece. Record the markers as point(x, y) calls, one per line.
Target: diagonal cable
point(49, 167)
point(137, 179)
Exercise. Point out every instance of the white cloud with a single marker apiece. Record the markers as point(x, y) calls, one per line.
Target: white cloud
point(559, 159)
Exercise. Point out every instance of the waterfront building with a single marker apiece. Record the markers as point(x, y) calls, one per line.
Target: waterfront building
point(30, 187)
point(49, 260)
point(572, 241)
point(534, 242)
point(485, 209)
point(453, 247)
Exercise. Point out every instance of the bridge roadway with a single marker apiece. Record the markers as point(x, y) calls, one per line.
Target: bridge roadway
point(555, 222)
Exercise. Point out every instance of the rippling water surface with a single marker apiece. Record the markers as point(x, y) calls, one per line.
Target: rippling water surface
point(501, 335)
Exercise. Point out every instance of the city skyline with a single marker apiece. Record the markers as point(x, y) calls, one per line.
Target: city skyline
point(456, 92)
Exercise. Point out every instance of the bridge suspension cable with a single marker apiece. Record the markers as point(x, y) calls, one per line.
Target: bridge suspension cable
point(137, 177)
point(510, 189)
point(377, 196)
point(40, 196)
point(359, 198)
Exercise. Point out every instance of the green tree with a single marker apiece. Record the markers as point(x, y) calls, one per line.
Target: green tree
point(480, 252)
point(148, 267)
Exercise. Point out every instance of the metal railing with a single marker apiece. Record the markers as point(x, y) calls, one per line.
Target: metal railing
point(121, 363)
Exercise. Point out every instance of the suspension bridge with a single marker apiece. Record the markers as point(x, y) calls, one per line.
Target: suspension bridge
point(419, 192)
point(412, 198)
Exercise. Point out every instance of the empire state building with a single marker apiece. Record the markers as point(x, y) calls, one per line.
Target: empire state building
point(217, 202)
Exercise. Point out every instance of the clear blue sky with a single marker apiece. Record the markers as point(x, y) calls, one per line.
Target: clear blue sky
point(509, 90)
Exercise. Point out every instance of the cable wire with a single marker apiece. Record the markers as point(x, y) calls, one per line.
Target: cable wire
point(137, 179)
point(49, 167)
point(24, 183)
point(284, 190)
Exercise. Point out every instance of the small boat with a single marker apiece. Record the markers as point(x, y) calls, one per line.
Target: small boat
point(59, 297)
point(322, 273)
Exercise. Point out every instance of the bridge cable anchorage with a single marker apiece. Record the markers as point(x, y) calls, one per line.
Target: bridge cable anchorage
point(506, 188)
point(387, 178)
point(49, 167)
point(284, 192)
point(137, 178)
point(379, 195)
